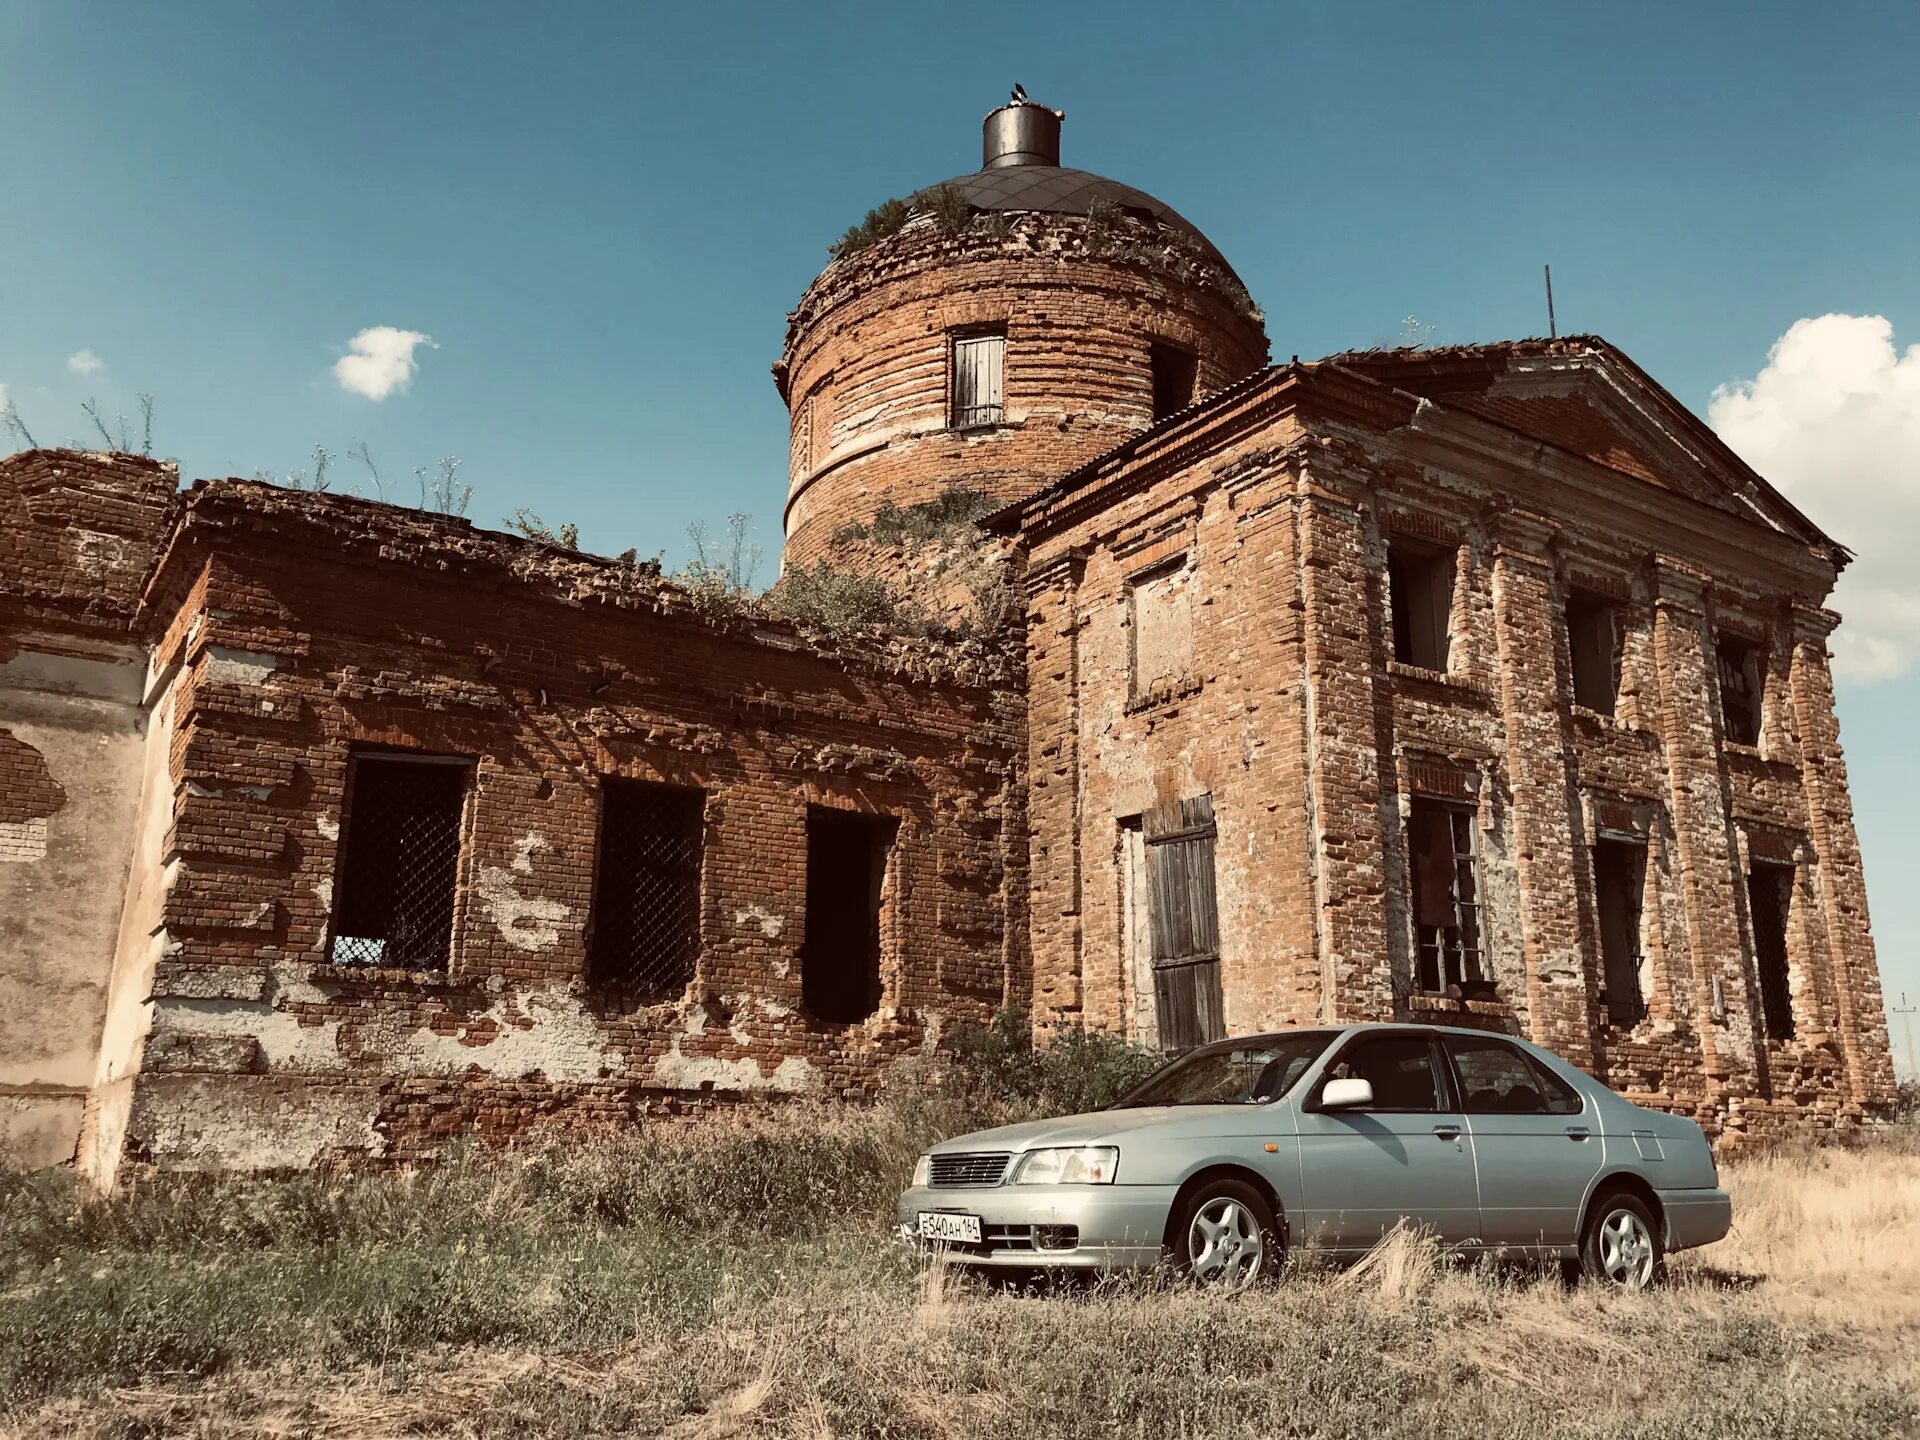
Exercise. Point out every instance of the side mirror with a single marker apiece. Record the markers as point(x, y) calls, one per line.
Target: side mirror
point(1346, 1094)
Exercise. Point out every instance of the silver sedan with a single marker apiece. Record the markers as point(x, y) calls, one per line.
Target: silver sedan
point(1329, 1138)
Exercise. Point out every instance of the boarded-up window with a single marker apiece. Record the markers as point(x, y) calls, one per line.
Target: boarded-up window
point(646, 900)
point(1619, 878)
point(1175, 373)
point(1446, 895)
point(399, 861)
point(978, 360)
point(1770, 897)
point(1162, 605)
point(1743, 672)
point(846, 884)
point(1420, 586)
point(1593, 646)
point(1185, 924)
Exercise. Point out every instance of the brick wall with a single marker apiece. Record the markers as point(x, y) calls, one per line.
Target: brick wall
point(866, 366)
point(303, 627)
point(1279, 503)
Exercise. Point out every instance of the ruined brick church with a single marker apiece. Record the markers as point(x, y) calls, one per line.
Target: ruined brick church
point(1477, 684)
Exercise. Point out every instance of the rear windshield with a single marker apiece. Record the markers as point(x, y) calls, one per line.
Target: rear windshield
point(1231, 1072)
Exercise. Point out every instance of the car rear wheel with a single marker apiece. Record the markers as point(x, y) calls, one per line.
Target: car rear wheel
point(1622, 1247)
point(1224, 1236)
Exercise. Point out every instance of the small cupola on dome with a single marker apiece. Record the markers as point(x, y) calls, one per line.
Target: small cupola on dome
point(1021, 132)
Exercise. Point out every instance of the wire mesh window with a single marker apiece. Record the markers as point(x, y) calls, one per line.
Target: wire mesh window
point(978, 362)
point(1446, 896)
point(399, 861)
point(646, 904)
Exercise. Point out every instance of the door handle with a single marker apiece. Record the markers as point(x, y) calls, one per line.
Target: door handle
point(1578, 1132)
point(1447, 1132)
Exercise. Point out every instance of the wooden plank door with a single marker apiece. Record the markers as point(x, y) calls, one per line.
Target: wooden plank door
point(1185, 920)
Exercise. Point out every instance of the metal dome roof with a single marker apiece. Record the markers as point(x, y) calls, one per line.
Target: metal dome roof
point(1058, 191)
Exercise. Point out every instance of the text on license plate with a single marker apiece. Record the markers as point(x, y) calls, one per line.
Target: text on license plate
point(939, 1225)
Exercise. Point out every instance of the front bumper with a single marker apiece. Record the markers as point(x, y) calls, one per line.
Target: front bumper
point(1695, 1217)
point(1120, 1227)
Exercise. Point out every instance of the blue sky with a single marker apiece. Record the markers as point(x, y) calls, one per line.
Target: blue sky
point(600, 214)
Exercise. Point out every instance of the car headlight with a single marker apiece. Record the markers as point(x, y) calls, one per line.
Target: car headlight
point(922, 1172)
point(1082, 1165)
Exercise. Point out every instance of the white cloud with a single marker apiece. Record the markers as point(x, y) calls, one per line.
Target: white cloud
point(1834, 421)
point(380, 361)
point(84, 362)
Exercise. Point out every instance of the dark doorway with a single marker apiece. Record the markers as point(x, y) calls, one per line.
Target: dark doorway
point(1770, 899)
point(846, 879)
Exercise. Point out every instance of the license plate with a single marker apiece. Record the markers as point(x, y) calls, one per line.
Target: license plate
point(940, 1225)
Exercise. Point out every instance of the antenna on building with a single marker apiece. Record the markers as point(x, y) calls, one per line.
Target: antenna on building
point(1553, 329)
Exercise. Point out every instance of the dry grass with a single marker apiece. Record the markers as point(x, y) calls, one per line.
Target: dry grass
point(531, 1294)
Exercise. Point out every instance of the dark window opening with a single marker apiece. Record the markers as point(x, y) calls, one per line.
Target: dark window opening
point(1420, 583)
point(1770, 901)
point(1742, 681)
point(1619, 880)
point(1593, 644)
point(846, 873)
point(646, 898)
point(1185, 922)
point(1176, 372)
point(978, 362)
point(399, 861)
point(1446, 897)
point(1398, 1067)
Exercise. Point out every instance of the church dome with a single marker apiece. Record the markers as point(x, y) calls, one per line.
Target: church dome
point(994, 332)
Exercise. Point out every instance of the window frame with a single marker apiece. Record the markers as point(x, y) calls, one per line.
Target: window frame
point(695, 799)
point(978, 415)
point(1162, 355)
point(1545, 1079)
point(340, 889)
point(1428, 646)
point(1752, 670)
point(1443, 1086)
point(1641, 1005)
point(1588, 604)
point(1458, 815)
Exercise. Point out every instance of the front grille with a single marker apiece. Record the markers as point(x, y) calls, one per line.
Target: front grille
point(974, 1170)
point(1026, 1239)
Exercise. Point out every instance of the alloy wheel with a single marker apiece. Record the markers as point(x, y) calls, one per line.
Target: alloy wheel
point(1226, 1247)
point(1626, 1250)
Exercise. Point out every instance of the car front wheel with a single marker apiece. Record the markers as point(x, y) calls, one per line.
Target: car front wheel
point(1622, 1246)
point(1224, 1236)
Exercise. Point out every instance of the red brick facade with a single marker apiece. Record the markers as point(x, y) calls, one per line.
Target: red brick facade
point(1280, 503)
point(302, 630)
point(1480, 685)
point(867, 368)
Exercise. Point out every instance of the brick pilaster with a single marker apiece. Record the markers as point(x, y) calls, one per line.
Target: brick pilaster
point(1843, 893)
point(1054, 787)
point(1560, 979)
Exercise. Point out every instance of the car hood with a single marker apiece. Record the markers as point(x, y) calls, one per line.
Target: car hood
point(1088, 1129)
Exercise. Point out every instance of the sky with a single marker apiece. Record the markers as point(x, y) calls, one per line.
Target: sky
point(560, 242)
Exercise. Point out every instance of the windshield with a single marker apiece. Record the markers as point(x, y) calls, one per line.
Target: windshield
point(1233, 1072)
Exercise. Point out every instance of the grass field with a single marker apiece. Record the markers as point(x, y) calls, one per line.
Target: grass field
point(734, 1278)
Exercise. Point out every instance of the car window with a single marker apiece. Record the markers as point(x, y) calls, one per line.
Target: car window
point(1562, 1098)
point(1234, 1072)
point(1495, 1078)
point(1398, 1067)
